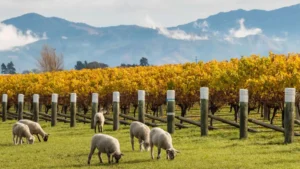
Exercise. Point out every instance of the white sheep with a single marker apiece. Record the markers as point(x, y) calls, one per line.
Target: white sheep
point(99, 120)
point(20, 130)
point(105, 144)
point(35, 128)
point(141, 132)
point(162, 140)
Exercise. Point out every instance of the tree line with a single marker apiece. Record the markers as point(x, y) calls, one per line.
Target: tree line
point(94, 65)
point(9, 68)
point(50, 61)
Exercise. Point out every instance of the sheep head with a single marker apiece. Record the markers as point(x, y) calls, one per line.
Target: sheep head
point(117, 156)
point(171, 153)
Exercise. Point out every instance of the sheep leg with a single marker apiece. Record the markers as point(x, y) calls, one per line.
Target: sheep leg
point(14, 139)
point(167, 152)
point(91, 153)
point(140, 141)
point(108, 156)
point(158, 153)
point(17, 138)
point(38, 137)
point(20, 140)
point(151, 151)
point(100, 158)
point(132, 141)
point(99, 127)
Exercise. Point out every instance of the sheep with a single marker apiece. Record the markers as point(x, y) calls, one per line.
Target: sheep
point(35, 128)
point(162, 139)
point(20, 130)
point(105, 144)
point(141, 132)
point(99, 119)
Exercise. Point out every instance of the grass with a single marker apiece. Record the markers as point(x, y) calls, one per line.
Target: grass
point(69, 147)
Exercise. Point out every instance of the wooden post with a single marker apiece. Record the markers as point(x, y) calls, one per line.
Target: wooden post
point(54, 109)
point(161, 111)
point(171, 111)
point(289, 112)
point(73, 110)
point(141, 105)
point(204, 92)
point(36, 107)
point(243, 113)
point(116, 110)
point(94, 108)
point(4, 107)
point(297, 112)
point(266, 112)
point(20, 106)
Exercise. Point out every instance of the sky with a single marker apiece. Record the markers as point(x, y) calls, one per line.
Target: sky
point(102, 13)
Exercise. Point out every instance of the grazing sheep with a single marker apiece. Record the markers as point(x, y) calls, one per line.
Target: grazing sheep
point(20, 130)
point(35, 128)
point(162, 139)
point(99, 120)
point(105, 144)
point(141, 132)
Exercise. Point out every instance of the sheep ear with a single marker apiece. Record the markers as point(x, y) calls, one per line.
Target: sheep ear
point(177, 151)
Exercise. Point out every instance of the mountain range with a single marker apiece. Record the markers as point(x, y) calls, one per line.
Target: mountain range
point(221, 36)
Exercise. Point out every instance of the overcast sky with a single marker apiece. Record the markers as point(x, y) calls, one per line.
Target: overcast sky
point(115, 12)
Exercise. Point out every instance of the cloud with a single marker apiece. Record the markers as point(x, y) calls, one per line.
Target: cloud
point(13, 57)
point(64, 37)
point(11, 37)
point(278, 39)
point(173, 34)
point(180, 35)
point(243, 31)
point(203, 26)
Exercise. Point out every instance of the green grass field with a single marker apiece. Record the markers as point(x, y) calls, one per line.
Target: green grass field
point(69, 147)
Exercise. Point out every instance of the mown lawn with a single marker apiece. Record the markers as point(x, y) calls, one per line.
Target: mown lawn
point(69, 147)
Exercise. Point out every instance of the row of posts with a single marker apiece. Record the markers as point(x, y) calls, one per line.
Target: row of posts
point(54, 100)
point(289, 109)
point(289, 112)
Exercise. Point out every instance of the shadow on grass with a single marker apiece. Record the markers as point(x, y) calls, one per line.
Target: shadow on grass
point(104, 164)
point(232, 145)
point(7, 145)
point(269, 143)
point(138, 161)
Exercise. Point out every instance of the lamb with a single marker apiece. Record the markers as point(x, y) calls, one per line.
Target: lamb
point(105, 144)
point(35, 128)
point(162, 139)
point(141, 132)
point(20, 130)
point(99, 119)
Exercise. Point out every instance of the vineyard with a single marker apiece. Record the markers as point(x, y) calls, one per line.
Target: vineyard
point(264, 77)
point(82, 93)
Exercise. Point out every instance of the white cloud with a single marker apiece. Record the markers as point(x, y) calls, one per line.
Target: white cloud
point(278, 39)
point(11, 37)
point(13, 57)
point(64, 37)
point(243, 31)
point(173, 34)
point(180, 35)
point(203, 26)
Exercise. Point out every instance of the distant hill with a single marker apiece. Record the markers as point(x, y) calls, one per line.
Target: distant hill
point(221, 36)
